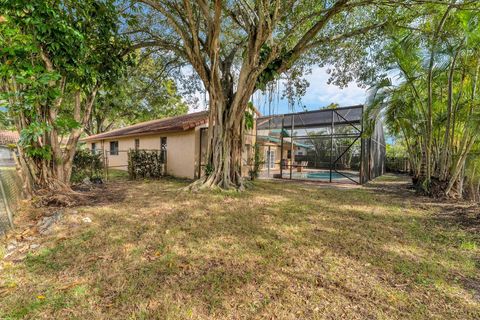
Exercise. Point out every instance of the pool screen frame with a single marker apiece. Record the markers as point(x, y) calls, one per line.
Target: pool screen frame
point(356, 124)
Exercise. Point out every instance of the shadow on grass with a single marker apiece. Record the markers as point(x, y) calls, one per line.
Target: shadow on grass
point(284, 251)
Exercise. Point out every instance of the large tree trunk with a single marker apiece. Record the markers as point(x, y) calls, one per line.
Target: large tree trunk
point(225, 146)
point(46, 174)
point(53, 173)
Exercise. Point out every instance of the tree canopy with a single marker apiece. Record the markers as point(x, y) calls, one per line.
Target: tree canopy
point(433, 104)
point(67, 67)
point(147, 91)
point(55, 55)
point(238, 47)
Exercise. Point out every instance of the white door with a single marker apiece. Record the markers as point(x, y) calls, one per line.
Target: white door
point(270, 159)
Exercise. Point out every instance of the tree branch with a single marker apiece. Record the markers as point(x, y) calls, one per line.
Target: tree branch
point(346, 35)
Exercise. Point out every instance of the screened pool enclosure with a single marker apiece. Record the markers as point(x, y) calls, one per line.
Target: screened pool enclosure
point(324, 145)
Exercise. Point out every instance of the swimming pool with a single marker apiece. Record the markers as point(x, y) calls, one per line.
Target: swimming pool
point(322, 175)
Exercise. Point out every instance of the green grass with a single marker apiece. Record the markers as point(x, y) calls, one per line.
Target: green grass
point(117, 174)
point(283, 251)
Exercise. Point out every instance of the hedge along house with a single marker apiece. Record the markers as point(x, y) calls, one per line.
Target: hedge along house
point(182, 140)
point(178, 137)
point(324, 145)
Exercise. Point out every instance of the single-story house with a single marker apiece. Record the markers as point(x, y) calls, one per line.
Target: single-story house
point(183, 138)
point(7, 138)
point(10, 184)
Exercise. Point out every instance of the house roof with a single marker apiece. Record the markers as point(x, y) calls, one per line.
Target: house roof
point(173, 124)
point(8, 137)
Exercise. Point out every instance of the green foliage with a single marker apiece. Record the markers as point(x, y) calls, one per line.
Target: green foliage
point(86, 165)
point(271, 73)
point(52, 55)
point(146, 164)
point(258, 161)
point(250, 116)
point(208, 169)
point(396, 150)
point(32, 133)
point(65, 124)
point(432, 107)
point(144, 93)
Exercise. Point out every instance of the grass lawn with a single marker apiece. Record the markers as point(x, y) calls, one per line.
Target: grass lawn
point(276, 251)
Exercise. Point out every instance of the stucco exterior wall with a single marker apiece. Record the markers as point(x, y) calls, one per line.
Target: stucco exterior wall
point(181, 151)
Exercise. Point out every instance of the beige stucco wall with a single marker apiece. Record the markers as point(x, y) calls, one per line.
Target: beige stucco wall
point(181, 151)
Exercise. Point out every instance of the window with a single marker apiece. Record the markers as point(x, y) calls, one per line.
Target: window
point(94, 147)
point(163, 149)
point(137, 144)
point(114, 148)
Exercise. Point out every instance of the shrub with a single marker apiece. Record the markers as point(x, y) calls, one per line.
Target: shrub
point(146, 164)
point(86, 165)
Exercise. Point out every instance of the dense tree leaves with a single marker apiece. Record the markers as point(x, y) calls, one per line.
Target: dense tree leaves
point(433, 106)
point(55, 57)
point(146, 92)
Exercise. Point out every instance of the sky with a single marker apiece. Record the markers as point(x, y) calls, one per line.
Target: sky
point(319, 94)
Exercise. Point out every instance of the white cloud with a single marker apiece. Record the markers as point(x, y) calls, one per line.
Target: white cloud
point(318, 94)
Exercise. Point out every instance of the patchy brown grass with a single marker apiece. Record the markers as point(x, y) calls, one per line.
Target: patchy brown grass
point(280, 251)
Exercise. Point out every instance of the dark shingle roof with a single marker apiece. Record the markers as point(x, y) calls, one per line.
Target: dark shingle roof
point(173, 124)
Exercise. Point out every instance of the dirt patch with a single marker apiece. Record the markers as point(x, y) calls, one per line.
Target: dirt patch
point(453, 212)
point(102, 194)
point(48, 213)
point(473, 285)
point(398, 186)
point(465, 215)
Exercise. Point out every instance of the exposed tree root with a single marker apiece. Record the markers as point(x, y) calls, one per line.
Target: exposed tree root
point(209, 183)
point(64, 197)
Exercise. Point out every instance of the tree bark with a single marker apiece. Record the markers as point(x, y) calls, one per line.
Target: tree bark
point(446, 151)
point(54, 173)
point(224, 148)
point(429, 125)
